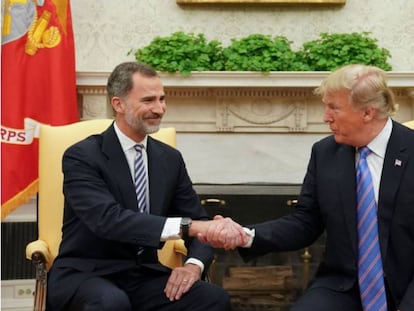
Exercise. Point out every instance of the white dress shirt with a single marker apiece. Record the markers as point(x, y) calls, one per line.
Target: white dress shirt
point(375, 159)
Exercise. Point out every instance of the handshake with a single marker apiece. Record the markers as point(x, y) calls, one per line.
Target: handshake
point(221, 232)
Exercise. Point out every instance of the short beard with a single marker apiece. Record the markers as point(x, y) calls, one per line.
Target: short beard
point(140, 126)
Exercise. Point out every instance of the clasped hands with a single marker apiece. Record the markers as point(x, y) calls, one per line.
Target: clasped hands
point(222, 232)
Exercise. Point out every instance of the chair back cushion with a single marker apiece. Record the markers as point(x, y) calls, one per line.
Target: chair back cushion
point(409, 124)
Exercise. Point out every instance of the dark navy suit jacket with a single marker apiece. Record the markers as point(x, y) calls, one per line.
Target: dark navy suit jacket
point(327, 203)
point(102, 228)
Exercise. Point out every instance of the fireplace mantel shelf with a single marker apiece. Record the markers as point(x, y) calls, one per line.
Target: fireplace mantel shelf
point(244, 102)
point(397, 79)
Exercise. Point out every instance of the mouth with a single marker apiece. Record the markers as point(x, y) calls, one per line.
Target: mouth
point(154, 118)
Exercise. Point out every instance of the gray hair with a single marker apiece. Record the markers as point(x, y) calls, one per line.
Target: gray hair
point(120, 81)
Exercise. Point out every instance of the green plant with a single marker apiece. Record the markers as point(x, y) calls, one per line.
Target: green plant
point(181, 52)
point(187, 52)
point(258, 52)
point(331, 51)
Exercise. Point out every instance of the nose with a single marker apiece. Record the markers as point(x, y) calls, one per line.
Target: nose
point(327, 118)
point(159, 107)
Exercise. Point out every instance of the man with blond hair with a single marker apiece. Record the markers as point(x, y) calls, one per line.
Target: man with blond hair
point(359, 191)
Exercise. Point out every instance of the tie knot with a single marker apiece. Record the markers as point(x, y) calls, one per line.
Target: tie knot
point(138, 147)
point(364, 152)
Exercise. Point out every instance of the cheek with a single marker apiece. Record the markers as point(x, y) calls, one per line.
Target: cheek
point(348, 126)
point(163, 106)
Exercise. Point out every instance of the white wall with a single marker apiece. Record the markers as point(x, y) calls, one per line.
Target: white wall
point(106, 30)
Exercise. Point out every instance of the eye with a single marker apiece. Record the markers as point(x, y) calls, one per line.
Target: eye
point(333, 107)
point(147, 100)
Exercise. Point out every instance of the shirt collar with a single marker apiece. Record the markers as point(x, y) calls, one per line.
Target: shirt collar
point(379, 144)
point(126, 142)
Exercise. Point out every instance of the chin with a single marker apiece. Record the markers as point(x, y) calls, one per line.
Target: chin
point(339, 139)
point(150, 129)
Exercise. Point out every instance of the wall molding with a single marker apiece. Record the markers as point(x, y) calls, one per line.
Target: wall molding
point(244, 102)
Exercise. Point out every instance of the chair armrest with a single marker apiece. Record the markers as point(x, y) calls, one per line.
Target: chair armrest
point(38, 252)
point(38, 248)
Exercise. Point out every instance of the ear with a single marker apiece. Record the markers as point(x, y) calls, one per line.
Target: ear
point(370, 113)
point(117, 104)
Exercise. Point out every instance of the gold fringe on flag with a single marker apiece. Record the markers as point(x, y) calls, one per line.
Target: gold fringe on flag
point(22, 197)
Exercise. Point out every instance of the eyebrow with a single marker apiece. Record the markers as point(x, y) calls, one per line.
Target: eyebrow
point(150, 97)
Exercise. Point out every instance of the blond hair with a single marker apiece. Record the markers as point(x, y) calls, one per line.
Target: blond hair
point(367, 85)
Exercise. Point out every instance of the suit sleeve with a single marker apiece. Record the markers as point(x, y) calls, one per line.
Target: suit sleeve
point(296, 230)
point(93, 194)
point(187, 203)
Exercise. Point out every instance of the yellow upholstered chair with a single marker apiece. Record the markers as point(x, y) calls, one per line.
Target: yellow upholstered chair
point(53, 141)
point(409, 124)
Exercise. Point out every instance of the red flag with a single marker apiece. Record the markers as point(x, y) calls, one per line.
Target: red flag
point(38, 86)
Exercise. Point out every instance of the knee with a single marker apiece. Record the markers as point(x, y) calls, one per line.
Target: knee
point(108, 301)
point(116, 300)
point(214, 297)
point(222, 299)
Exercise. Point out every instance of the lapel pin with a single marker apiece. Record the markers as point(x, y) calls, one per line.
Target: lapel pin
point(397, 162)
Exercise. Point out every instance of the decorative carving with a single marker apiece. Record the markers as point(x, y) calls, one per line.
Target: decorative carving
point(94, 103)
point(242, 103)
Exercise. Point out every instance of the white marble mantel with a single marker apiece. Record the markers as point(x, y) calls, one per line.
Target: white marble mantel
point(242, 127)
point(244, 79)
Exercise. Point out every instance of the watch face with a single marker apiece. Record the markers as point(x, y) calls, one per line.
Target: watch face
point(186, 221)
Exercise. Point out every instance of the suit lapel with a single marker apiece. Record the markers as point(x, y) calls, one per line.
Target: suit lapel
point(394, 166)
point(157, 169)
point(347, 189)
point(118, 168)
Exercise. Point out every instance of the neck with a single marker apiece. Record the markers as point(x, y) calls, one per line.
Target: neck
point(371, 131)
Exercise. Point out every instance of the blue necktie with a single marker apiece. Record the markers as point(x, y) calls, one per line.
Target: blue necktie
point(370, 271)
point(140, 179)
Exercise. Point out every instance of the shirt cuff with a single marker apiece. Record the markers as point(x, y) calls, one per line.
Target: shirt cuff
point(171, 230)
point(197, 262)
point(251, 233)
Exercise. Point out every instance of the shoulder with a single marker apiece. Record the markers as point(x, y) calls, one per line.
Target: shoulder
point(89, 143)
point(403, 129)
point(159, 149)
point(326, 144)
point(96, 141)
point(161, 146)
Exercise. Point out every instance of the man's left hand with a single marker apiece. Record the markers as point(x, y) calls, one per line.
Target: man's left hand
point(181, 280)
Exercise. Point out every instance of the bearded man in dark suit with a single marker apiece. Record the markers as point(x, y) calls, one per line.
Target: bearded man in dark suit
point(108, 255)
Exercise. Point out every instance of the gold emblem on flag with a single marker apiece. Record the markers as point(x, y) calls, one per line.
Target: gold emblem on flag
point(39, 36)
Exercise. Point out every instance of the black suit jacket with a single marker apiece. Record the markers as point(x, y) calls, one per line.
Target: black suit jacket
point(102, 228)
point(327, 203)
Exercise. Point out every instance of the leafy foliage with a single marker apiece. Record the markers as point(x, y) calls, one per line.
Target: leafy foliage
point(187, 52)
point(181, 52)
point(259, 52)
point(331, 51)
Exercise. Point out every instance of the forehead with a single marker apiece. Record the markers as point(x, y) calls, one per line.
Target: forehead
point(337, 97)
point(141, 81)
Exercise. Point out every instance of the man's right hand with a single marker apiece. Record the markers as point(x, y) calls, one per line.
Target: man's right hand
point(221, 232)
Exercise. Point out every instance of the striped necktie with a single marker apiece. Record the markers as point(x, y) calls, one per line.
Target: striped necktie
point(370, 271)
point(140, 179)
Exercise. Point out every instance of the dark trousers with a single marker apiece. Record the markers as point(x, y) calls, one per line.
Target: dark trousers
point(143, 290)
point(325, 299)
